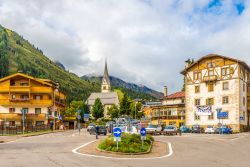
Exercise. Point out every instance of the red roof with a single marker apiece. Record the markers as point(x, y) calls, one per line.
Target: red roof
point(175, 95)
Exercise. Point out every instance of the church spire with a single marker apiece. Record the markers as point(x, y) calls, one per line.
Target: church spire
point(106, 87)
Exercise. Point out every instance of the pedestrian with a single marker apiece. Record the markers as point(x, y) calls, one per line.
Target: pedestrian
point(51, 126)
point(179, 131)
point(96, 132)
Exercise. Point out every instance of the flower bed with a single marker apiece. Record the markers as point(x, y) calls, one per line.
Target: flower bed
point(130, 143)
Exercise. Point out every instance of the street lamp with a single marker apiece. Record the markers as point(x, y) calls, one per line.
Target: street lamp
point(54, 105)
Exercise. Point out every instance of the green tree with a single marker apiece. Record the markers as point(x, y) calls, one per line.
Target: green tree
point(4, 61)
point(113, 111)
point(135, 108)
point(125, 105)
point(71, 110)
point(97, 109)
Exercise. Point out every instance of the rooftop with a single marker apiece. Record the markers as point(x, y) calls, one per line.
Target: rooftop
point(175, 95)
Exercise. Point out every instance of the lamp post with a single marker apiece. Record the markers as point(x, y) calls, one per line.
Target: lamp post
point(54, 105)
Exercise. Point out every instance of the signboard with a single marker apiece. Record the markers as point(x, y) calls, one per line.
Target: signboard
point(86, 117)
point(117, 139)
point(221, 115)
point(60, 117)
point(143, 138)
point(204, 110)
point(143, 132)
point(117, 132)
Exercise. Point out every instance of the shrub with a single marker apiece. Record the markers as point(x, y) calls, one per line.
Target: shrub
point(130, 143)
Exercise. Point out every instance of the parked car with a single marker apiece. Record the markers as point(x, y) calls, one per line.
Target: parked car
point(224, 129)
point(210, 129)
point(90, 126)
point(170, 130)
point(185, 129)
point(101, 130)
point(197, 129)
point(154, 129)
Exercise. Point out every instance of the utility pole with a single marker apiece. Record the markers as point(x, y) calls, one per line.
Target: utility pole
point(54, 105)
point(79, 117)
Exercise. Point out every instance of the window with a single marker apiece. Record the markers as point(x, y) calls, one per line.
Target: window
point(37, 110)
point(183, 101)
point(38, 97)
point(211, 73)
point(244, 87)
point(104, 87)
point(197, 75)
point(26, 110)
point(248, 89)
point(210, 101)
point(211, 116)
point(39, 123)
point(225, 71)
point(225, 100)
point(196, 117)
point(12, 123)
point(225, 86)
point(197, 89)
point(24, 97)
point(13, 96)
point(244, 101)
point(197, 102)
point(210, 65)
point(12, 110)
point(210, 87)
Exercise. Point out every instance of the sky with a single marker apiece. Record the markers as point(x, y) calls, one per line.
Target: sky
point(144, 41)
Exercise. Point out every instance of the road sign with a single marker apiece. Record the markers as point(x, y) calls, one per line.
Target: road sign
point(117, 139)
point(221, 115)
point(242, 118)
point(143, 132)
point(60, 117)
point(143, 138)
point(117, 132)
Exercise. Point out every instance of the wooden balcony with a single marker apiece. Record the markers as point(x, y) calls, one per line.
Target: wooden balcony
point(210, 78)
point(18, 89)
point(25, 102)
point(41, 90)
point(4, 89)
point(20, 100)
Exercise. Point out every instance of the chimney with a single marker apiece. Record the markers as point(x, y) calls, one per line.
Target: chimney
point(187, 63)
point(165, 91)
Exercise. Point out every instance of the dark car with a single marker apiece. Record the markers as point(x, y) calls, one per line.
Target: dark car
point(101, 130)
point(197, 129)
point(185, 129)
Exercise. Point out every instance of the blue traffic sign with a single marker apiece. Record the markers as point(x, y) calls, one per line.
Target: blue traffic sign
point(143, 132)
point(117, 132)
point(221, 115)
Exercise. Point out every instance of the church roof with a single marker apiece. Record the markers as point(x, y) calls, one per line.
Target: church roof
point(106, 74)
point(106, 98)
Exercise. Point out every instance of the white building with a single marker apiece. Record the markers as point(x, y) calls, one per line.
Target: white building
point(217, 82)
point(107, 97)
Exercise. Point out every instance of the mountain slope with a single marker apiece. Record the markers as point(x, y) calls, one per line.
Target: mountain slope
point(17, 54)
point(22, 56)
point(117, 83)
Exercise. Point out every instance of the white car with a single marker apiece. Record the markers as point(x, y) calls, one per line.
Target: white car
point(91, 125)
point(153, 129)
point(210, 129)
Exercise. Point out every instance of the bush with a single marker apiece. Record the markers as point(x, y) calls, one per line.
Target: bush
point(130, 143)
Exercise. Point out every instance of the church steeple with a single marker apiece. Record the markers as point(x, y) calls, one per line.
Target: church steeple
point(106, 87)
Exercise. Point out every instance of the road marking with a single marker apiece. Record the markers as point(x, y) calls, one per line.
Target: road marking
point(75, 151)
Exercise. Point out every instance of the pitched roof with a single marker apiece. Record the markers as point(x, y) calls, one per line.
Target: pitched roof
point(175, 95)
point(106, 98)
point(215, 55)
point(26, 76)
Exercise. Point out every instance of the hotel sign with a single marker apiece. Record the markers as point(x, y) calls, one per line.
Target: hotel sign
point(204, 110)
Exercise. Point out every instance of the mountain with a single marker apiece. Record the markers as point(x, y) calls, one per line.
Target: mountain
point(18, 54)
point(116, 83)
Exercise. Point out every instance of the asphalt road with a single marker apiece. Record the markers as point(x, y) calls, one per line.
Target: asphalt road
point(189, 150)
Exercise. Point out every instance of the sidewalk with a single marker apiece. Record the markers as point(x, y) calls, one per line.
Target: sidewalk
point(5, 139)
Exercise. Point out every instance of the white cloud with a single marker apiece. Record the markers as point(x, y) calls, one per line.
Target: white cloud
point(145, 42)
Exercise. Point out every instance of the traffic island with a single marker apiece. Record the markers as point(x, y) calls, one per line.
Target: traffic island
point(130, 148)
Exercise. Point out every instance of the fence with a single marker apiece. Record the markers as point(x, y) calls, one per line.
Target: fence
point(19, 129)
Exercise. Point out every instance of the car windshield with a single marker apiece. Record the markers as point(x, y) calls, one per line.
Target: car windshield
point(102, 127)
point(152, 126)
point(169, 127)
point(91, 124)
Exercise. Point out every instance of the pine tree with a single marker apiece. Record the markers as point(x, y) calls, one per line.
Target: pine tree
point(113, 111)
point(125, 105)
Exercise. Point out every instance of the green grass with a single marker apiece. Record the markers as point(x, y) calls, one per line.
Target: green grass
point(130, 143)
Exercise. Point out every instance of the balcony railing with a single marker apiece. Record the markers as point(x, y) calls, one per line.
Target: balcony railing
point(210, 78)
point(168, 117)
point(19, 88)
point(20, 100)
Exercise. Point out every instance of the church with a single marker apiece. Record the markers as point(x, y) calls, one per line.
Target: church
point(107, 97)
